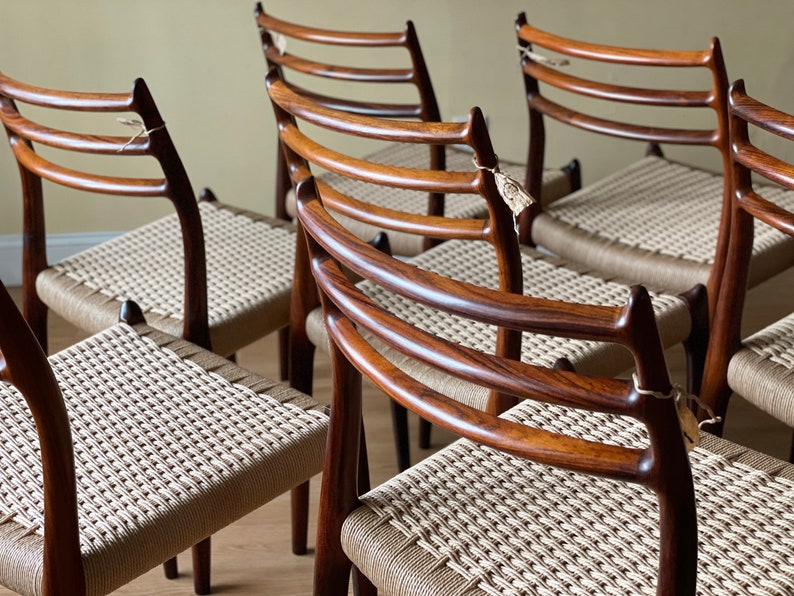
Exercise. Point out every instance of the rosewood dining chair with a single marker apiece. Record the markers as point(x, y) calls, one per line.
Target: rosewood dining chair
point(335, 68)
point(129, 447)
point(656, 221)
point(214, 274)
point(583, 487)
point(482, 251)
point(759, 367)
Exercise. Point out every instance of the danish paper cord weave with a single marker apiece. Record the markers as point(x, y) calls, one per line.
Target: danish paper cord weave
point(763, 371)
point(250, 264)
point(167, 452)
point(544, 277)
point(555, 185)
point(679, 209)
point(471, 520)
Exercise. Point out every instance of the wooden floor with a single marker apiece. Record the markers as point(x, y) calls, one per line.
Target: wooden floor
point(253, 556)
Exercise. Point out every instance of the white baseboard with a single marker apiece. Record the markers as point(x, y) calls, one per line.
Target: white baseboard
point(59, 246)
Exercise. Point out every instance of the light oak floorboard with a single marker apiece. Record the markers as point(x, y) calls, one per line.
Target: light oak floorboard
point(253, 556)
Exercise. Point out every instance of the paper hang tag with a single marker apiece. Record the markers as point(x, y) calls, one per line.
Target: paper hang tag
point(280, 41)
point(512, 192)
point(689, 424)
point(516, 197)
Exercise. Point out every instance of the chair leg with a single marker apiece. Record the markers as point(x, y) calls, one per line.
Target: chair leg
point(361, 584)
point(696, 344)
point(283, 353)
point(424, 433)
point(300, 517)
point(201, 566)
point(170, 569)
point(574, 172)
point(399, 422)
point(342, 473)
point(791, 452)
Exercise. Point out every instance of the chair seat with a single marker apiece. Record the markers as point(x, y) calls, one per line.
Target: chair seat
point(556, 184)
point(763, 370)
point(171, 442)
point(447, 526)
point(249, 280)
point(544, 277)
point(679, 210)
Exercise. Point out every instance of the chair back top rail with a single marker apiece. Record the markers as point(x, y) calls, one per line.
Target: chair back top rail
point(303, 152)
point(537, 69)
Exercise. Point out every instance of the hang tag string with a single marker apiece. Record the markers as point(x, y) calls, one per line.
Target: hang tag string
point(511, 191)
point(689, 424)
point(526, 52)
point(142, 130)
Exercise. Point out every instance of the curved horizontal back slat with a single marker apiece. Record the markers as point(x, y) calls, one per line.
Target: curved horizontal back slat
point(624, 130)
point(79, 101)
point(327, 36)
point(613, 54)
point(113, 185)
point(622, 93)
point(618, 463)
point(493, 307)
point(380, 109)
point(341, 73)
point(395, 176)
point(52, 137)
point(400, 221)
point(436, 133)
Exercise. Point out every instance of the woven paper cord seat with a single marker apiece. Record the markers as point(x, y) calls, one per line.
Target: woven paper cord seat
point(449, 526)
point(171, 443)
point(763, 370)
point(546, 277)
point(598, 225)
point(556, 184)
point(245, 302)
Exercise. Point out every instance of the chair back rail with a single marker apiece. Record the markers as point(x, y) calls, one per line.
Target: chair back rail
point(747, 116)
point(152, 139)
point(539, 70)
point(415, 73)
point(359, 326)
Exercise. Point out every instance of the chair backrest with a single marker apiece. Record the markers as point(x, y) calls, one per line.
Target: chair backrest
point(148, 137)
point(359, 326)
point(363, 48)
point(24, 365)
point(302, 153)
point(748, 118)
point(550, 71)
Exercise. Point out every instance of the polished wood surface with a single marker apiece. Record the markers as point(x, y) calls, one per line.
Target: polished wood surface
point(748, 117)
point(252, 558)
point(156, 143)
point(311, 59)
point(539, 78)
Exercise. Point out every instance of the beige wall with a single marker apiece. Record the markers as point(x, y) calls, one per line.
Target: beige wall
point(202, 61)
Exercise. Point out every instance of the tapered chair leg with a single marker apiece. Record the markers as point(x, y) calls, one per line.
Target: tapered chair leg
point(201, 566)
point(300, 518)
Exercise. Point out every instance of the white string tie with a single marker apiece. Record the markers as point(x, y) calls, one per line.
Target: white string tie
point(142, 130)
point(689, 424)
point(511, 191)
point(526, 52)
